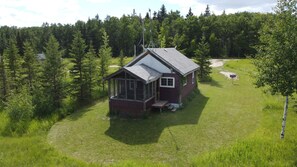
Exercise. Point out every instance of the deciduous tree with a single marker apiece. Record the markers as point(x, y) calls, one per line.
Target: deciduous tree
point(277, 56)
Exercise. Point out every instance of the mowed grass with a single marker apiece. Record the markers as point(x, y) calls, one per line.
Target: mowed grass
point(263, 147)
point(226, 125)
point(222, 119)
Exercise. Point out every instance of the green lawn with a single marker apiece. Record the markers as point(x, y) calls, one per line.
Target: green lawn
point(215, 127)
point(227, 124)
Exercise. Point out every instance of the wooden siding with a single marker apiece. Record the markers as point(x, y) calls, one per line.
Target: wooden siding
point(170, 94)
point(129, 108)
point(187, 89)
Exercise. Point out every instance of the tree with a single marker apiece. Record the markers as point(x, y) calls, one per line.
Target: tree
point(189, 13)
point(78, 49)
point(53, 73)
point(162, 14)
point(3, 78)
point(20, 111)
point(105, 56)
point(122, 58)
point(213, 44)
point(277, 57)
point(89, 71)
point(30, 65)
point(202, 57)
point(207, 11)
point(14, 65)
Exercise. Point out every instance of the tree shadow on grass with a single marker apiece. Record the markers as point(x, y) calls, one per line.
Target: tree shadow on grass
point(213, 83)
point(144, 131)
point(81, 111)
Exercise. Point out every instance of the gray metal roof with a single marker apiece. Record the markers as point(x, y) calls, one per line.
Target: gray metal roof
point(175, 59)
point(144, 72)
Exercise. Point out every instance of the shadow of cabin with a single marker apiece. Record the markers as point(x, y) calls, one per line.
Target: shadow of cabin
point(144, 131)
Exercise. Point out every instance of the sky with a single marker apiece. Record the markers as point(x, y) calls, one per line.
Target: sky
point(27, 13)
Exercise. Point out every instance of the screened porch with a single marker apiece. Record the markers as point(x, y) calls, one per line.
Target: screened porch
point(138, 83)
point(131, 89)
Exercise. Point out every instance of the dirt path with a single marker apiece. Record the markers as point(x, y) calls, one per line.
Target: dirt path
point(216, 62)
point(219, 63)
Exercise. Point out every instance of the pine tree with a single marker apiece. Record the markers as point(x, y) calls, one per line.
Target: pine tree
point(122, 58)
point(207, 11)
point(14, 65)
point(78, 49)
point(4, 86)
point(189, 13)
point(105, 56)
point(30, 65)
point(53, 73)
point(89, 71)
point(202, 57)
point(277, 57)
point(162, 14)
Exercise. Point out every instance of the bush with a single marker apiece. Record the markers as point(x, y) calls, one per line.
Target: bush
point(19, 108)
point(43, 104)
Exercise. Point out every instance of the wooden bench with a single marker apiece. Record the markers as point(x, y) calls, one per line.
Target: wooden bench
point(160, 104)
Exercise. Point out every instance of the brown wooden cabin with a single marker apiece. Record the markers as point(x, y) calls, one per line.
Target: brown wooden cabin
point(157, 75)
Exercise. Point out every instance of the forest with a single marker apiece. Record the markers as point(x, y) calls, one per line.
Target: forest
point(78, 56)
point(229, 35)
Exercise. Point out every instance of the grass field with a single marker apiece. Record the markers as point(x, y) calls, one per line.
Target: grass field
point(227, 124)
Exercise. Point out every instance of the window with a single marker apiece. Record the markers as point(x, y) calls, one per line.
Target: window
point(193, 77)
point(184, 80)
point(167, 82)
point(131, 85)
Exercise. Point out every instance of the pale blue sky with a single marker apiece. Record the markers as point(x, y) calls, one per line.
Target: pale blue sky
point(24, 13)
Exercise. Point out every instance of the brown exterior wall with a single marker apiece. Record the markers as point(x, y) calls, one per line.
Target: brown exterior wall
point(170, 94)
point(127, 108)
point(187, 89)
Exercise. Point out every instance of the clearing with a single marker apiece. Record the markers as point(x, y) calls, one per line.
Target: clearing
point(220, 115)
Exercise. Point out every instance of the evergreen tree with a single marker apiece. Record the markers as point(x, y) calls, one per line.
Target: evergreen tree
point(78, 49)
point(207, 11)
point(4, 86)
point(202, 57)
point(30, 65)
point(189, 13)
point(105, 56)
point(162, 14)
point(14, 65)
point(277, 57)
point(53, 73)
point(122, 58)
point(89, 66)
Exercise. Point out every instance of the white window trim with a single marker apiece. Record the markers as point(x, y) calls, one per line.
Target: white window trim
point(193, 77)
point(166, 86)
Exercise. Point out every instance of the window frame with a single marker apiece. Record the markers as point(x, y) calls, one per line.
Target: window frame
point(167, 86)
point(193, 78)
point(131, 84)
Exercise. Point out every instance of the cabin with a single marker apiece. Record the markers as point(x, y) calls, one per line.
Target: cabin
point(153, 79)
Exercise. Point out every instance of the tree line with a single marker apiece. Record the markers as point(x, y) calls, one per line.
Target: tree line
point(35, 88)
point(228, 35)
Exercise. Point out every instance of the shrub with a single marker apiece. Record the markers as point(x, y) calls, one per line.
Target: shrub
point(19, 108)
